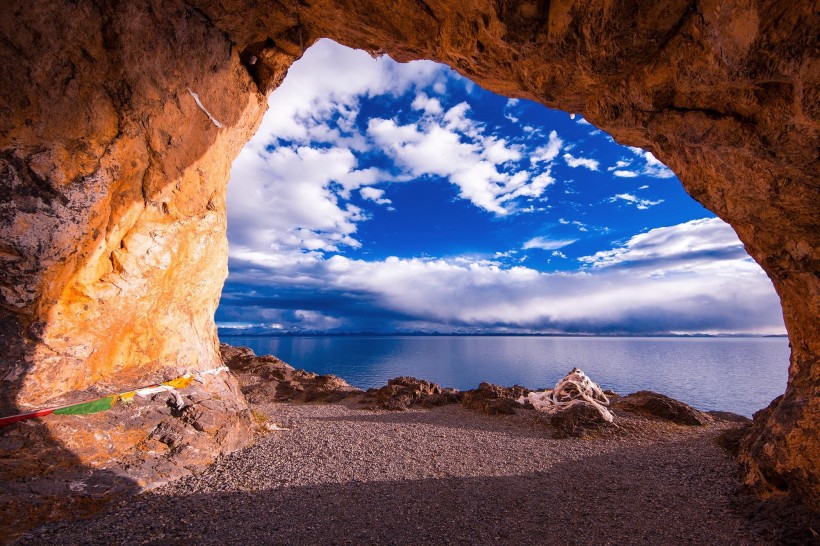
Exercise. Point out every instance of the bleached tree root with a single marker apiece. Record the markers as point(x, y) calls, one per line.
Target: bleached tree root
point(575, 388)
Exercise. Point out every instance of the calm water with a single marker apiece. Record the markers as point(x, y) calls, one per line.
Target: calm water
point(739, 374)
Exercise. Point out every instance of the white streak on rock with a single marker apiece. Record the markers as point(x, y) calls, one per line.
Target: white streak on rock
point(201, 107)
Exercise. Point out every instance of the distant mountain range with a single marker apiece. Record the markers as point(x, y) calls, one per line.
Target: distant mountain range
point(266, 331)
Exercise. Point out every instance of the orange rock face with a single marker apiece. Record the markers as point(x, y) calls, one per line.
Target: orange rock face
point(112, 210)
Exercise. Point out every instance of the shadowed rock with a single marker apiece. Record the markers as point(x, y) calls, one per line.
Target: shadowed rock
point(652, 404)
point(728, 416)
point(269, 379)
point(494, 399)
point(578, 421)
point(402, 393)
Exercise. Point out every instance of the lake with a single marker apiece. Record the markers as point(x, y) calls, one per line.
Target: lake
point(741, 375)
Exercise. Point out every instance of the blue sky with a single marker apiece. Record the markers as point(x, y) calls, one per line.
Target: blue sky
point(380, 196)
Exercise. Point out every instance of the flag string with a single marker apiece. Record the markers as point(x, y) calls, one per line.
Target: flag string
point(171, 386)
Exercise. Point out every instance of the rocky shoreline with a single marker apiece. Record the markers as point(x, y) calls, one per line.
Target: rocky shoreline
point(266, 379)
point(412, 462)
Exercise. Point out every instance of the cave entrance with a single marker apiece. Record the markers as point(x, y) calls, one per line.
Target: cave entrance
point(409, 202)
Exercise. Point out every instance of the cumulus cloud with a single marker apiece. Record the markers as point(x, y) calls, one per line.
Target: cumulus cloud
point(453, 146)
point(653, 167)
point(648, 165)
point(295, 183)
point(293, 179)
point(426, 104)
point(641, 204)
point(575, 162)
point(374, 194)
point(511, 103)
point(625, 174)
point(549, 151)
point(319, 88)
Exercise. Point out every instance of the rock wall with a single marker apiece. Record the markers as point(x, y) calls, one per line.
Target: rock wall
point(112, 210)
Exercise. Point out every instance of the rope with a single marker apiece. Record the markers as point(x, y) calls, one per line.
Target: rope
point(107, 402)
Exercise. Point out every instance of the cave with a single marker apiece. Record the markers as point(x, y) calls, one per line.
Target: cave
point(121, 121)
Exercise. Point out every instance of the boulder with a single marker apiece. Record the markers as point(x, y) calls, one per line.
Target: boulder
point(653, 404)
point(268, 379)
point(402, 393)
point(494, 399)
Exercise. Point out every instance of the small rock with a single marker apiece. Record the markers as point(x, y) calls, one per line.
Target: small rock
point(729, 417)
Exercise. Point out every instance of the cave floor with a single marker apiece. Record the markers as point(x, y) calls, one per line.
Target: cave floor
point(341, 475)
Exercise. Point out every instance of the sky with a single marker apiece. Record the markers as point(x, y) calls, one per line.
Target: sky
point(387, 197)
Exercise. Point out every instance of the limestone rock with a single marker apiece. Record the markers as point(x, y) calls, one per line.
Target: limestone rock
point(652, 404)
point(494, 399)
point(112, 179)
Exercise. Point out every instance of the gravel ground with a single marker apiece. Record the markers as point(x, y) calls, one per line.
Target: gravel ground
point(443, 476)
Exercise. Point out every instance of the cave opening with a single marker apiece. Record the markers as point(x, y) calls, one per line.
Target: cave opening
point(396, 219)
point(119, 139)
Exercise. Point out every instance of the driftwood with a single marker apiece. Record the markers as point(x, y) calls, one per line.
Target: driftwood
point(575, 388)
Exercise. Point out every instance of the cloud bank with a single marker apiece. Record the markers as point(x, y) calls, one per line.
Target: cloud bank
point(690, 278)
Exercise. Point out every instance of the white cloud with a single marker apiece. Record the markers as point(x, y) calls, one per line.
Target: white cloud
point(293, 182)
point(499, 151)
point(641, 204)
point(511, 103)
point(625, 174)
point(320, 85)
point(549, 151)
point(374, 194)
point(558, 254)
point(620, 164)
point(507, 254)
point(702, 243)
point(545, 243)
point(652, 166)
point(693, 277)
point(455, 147)
point(575, 162)
point(426, 104)
point(292, 196)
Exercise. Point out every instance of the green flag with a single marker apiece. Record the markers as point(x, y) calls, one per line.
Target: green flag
point(88, 407)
